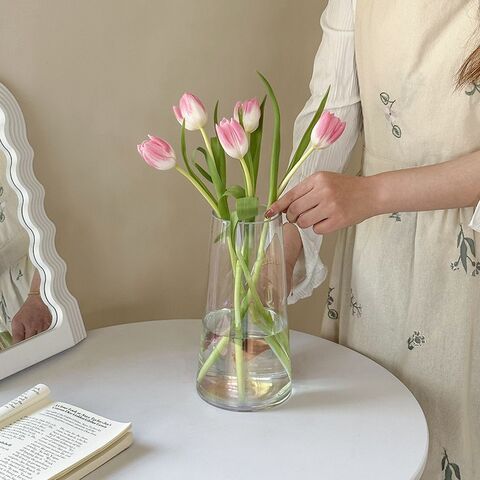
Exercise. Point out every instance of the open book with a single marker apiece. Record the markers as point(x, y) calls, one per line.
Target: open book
point(45, 440)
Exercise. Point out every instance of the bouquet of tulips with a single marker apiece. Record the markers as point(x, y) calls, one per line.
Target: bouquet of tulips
point(241, 139)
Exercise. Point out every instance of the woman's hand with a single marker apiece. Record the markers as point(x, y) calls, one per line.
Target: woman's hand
point(33, 317)
point(329, 201)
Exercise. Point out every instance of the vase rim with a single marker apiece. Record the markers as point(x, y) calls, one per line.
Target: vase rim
point(243, 222)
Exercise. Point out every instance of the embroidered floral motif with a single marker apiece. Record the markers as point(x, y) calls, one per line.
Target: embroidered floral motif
point(465, 245)
point(390, 114)
point(332, 313)
point(19, 274)
point(396, 216)
point(356, 307)
point(450, 469)
point(416, 340)
point(474, 88)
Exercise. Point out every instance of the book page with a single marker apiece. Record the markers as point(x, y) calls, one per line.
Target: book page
point(24, 404)
point(53, 440)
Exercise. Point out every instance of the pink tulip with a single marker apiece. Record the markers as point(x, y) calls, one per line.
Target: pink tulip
point(233, 138)
point(251, 113)
point(327, 130)
point(191, 109)
point(157, 153)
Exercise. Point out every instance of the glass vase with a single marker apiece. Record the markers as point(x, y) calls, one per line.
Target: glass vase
point(244, 361)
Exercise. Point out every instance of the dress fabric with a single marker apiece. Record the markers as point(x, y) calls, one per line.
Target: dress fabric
point(16, 269)
point(405, 287)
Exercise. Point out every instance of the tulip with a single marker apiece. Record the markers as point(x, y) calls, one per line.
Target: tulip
point(191, 110)
point(157, 153)
point(251, 114)
point(234, 141)
point(327, 130)
point(232, 138)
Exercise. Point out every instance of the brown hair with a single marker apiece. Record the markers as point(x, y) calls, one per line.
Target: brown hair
point(470, 70)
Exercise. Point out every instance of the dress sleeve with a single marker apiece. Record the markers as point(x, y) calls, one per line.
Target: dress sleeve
point(334, 66)
point(475, 222)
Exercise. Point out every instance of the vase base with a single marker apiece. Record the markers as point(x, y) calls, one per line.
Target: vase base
point(247, 406)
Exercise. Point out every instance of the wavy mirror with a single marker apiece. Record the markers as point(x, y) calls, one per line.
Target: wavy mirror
point(38, 315)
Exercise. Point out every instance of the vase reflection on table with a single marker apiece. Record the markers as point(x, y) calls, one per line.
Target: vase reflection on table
point(244, 361)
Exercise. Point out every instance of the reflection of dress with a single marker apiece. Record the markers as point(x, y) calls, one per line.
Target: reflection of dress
point(405, 288)
point(16, 269)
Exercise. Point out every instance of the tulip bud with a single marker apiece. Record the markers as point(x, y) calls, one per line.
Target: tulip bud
point(232, 138)
point(327, 130)
point(251, 114)
point(191, 110)
point(157, 153)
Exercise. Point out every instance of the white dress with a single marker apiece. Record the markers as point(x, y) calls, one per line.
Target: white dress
point(405, 287)
point(16, 269)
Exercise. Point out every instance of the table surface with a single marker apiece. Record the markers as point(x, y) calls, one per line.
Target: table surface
point(348, 417)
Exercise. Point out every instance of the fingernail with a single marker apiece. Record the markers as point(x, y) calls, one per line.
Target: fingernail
point(269, 213)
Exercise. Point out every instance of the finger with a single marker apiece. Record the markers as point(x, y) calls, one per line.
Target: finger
point(30, 331)
point(325, 226)
point(284, 202)
point(18, 332)
point(300, 206)
point(312, 217)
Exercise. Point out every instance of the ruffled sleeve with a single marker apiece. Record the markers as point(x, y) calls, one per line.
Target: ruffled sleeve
point(475, 222)
point(334, 66)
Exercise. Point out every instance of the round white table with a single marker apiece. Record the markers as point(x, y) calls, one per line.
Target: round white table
point(348, 417)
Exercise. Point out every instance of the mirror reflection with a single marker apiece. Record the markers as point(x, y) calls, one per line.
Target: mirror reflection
point(22, 311)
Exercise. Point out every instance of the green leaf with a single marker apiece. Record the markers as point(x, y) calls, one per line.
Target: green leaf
point(256, 144)
point(184, 151)
point(189, 168)
point(233, 225)
point(275, 160)
point(235, 191)
point(203, 172)
point(220, 161)
point(471, 243)
point(203, 152)
point(215, 115)
point(247, 208)
point(456, 469)
point(448, 473)
point(444, 461)
point(221, 236)
point(463, 255)
point(305, 141)
point(459, 238)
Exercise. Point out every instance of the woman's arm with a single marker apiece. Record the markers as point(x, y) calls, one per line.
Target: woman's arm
point(334, 66)
point(328, 201)
point(452, 184)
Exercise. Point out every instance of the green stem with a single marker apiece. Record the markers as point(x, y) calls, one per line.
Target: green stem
point(280, 348)
point(248, 179)
point(213, 357)
point(290, 174)
point(239, 360)
point(207, 197)
point(207, 142)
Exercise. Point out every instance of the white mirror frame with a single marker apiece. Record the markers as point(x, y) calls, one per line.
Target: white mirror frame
point(67, 327)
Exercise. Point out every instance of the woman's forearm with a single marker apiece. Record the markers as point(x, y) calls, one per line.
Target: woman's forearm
point(451, 184)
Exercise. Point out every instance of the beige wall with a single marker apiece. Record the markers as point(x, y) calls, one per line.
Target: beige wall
point(93, 77)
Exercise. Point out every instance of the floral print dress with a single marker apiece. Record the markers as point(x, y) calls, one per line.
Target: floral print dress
point(405, 287)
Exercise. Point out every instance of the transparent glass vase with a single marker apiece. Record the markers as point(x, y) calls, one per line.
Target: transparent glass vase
point(244, 361)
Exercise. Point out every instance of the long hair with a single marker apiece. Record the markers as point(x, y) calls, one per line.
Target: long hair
point(470, 70)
